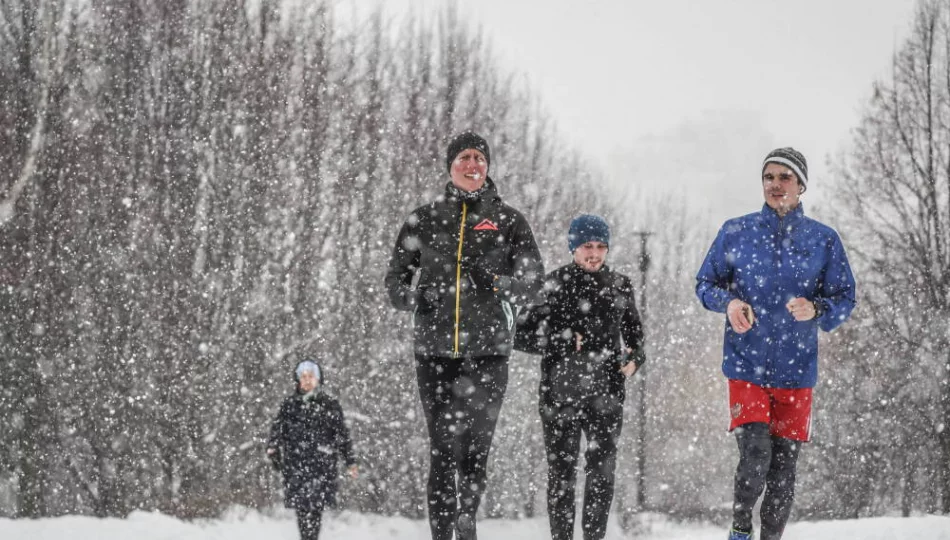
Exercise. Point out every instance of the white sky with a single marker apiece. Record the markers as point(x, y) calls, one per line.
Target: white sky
point(691, 94)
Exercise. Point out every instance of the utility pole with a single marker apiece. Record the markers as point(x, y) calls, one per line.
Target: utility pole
point(642, 379)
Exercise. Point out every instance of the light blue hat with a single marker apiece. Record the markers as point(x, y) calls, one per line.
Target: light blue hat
point(307, 366)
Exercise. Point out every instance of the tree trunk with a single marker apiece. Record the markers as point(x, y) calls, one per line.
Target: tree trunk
point(910, 490)
point(33, 463)
point(944, 437)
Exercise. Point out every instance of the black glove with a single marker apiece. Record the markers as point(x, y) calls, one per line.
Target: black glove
point(637, 357)
point(502, 283)
point(275, 459)
point(427, 298)
point(481, 279)
point(486, 280)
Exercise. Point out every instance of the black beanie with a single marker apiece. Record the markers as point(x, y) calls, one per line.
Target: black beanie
point(791, 158)
point(464, 141)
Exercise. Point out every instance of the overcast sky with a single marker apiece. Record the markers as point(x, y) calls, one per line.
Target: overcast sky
point(691, 94)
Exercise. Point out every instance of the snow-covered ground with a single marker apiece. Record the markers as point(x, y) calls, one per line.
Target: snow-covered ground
point(352, 526)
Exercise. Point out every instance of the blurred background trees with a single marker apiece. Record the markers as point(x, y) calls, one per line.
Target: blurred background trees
point(195, 193)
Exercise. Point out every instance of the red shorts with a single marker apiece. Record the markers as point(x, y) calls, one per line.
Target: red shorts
point(787, 411)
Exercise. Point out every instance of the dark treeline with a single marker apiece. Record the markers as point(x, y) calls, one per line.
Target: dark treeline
point(193, 193)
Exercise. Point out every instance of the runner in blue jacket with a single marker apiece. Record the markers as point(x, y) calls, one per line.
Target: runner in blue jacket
point(779, 276)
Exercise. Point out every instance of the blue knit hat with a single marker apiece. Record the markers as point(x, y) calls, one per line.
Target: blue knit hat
point(587, 228)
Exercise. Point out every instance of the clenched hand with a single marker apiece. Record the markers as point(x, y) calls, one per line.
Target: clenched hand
point(740, 316)
point(801, 309)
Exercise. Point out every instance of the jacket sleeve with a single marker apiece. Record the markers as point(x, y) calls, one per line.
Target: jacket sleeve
point(714, 280)
point(532, 329)
point(403, 264)
point(277, 429)
point(527, 277)
point(631, 327)
point(836, 293)
point(343, 443)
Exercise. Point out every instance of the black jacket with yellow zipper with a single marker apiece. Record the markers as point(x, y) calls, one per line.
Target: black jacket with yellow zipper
point(461, 264)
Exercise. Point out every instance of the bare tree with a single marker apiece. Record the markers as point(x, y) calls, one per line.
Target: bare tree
point(213, 192)
point(895, 185)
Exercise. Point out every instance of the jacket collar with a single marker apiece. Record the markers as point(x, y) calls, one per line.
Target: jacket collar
point(575, 271)
point(772, 219)
point(308, 396)
point(488, 192)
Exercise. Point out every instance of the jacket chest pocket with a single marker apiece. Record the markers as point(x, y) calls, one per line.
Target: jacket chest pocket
point(490, 256)
point(437, 267)
point(802, 261)
point(611, 303)
point(752, 271)
point(601, 320)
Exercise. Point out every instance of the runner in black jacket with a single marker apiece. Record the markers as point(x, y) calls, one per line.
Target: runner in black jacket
point(306, 440)
point(589, 333)
point(459, 265)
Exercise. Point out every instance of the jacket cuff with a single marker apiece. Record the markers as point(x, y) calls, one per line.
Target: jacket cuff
point(639, 357)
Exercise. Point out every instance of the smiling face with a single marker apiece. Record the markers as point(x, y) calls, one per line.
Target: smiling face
point(781, 188)
point(469, 170)
point(591, 255)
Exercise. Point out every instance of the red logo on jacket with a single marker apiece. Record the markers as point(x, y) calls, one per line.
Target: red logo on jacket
point(486, 225)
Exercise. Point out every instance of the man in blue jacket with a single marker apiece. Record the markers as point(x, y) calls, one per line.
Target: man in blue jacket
point(778, 276)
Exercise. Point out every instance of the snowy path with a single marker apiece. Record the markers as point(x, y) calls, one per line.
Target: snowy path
point(351, 526)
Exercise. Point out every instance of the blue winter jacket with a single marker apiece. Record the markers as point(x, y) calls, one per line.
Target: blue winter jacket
point(765, 261)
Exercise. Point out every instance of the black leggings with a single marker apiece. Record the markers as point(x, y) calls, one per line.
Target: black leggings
point(768, 462)
point(600, 419)
point(461, 399)
point(309, 521)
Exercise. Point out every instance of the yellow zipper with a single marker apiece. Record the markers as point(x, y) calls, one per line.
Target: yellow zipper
point(458, 280)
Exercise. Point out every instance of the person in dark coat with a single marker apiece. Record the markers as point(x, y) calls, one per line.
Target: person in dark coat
point(589, 333)
point(307, 438)
point(461, 264)
point(778, 276)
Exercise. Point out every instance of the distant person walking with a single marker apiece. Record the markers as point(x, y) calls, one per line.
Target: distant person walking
point(307, 438)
